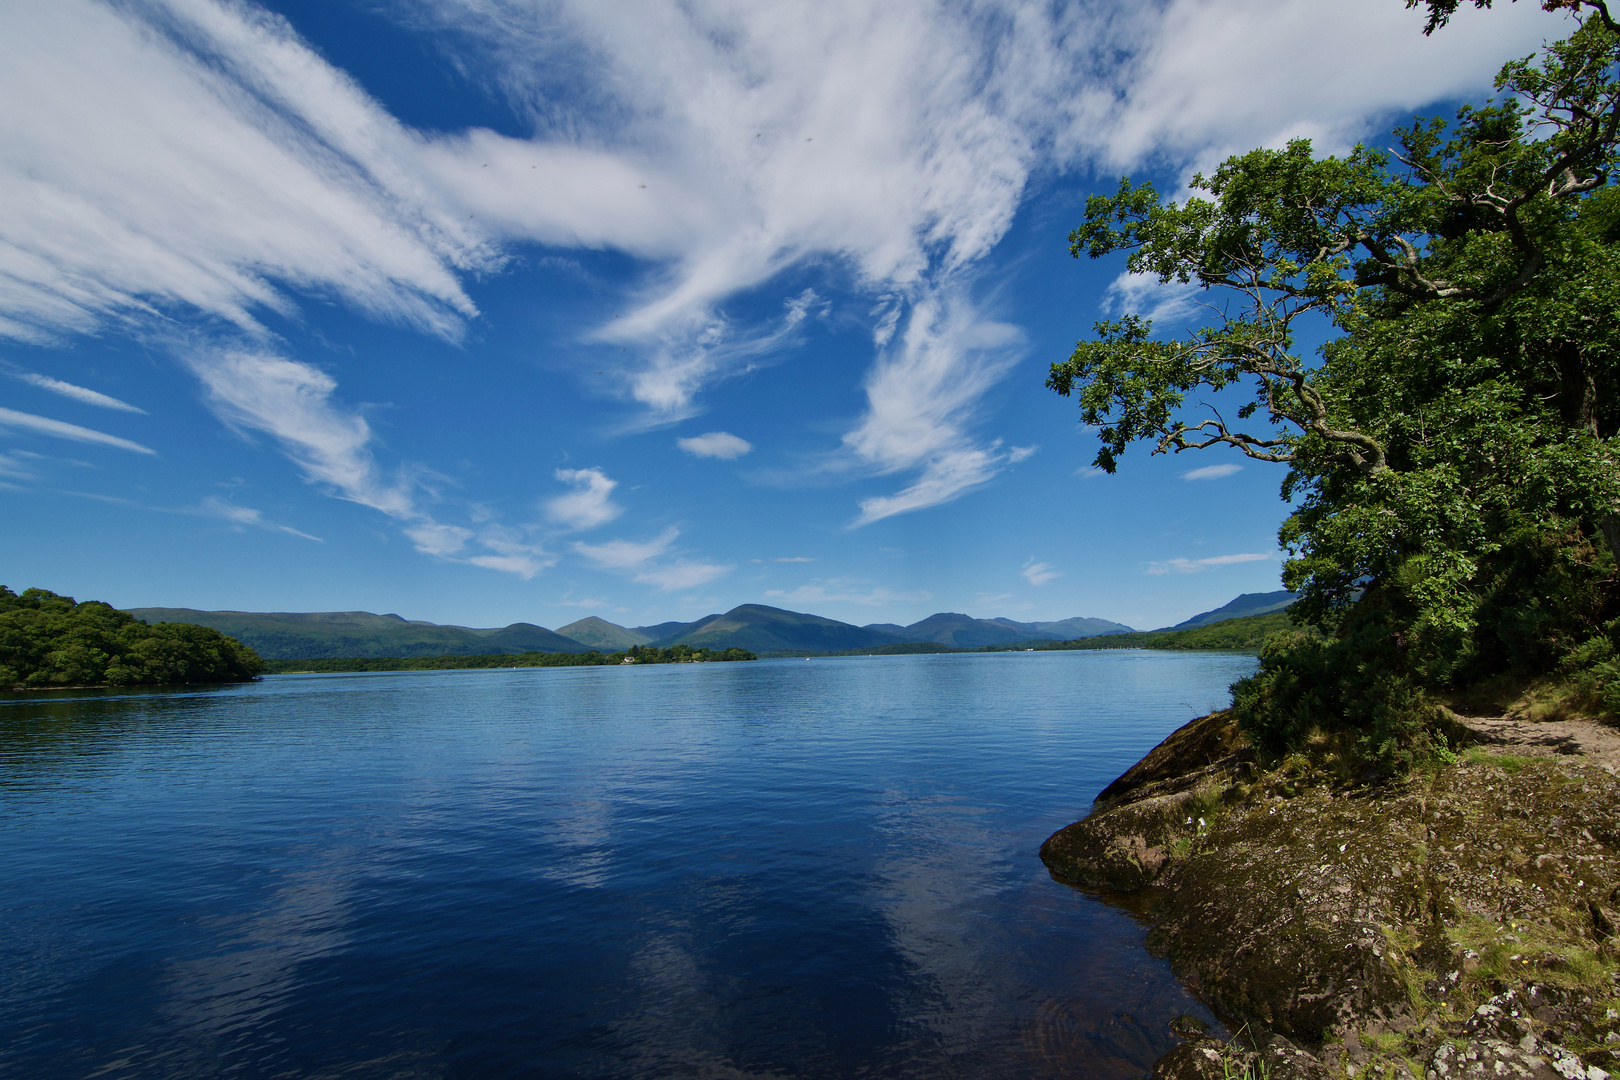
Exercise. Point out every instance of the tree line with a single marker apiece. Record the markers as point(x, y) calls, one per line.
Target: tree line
point(637, 654)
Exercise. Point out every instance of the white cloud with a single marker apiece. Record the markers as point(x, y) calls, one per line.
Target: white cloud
point(645, 564)
point(68, 390)
point(681, 575)
point(845, 591)
point(195, 155)
point(795, 558)
point(922, 398)
point(17, 466)
point(243, 516)
point(1212, 472)
point(59, 429)
point(716, 444)
point(627, 554)
point(1161, 301)
point(589, 505)
point(1201, 79)
point(1039, 573)
point(1193, 566)
point(293, 403)
point(432, 538)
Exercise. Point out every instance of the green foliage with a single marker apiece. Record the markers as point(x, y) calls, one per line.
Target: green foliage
point(639, 654)
point(1246, 634)
point(48, 640)
point(1453, 456)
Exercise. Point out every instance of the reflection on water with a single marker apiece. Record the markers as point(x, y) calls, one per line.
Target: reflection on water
point(820, 869)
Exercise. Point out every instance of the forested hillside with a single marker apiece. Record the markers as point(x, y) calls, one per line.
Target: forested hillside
point(48, 640)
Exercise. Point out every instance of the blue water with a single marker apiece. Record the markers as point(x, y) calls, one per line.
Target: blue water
point(789, 868)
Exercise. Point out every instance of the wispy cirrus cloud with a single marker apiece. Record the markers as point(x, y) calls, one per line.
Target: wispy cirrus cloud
point(59, 429)
point(1193, 566)
point(1039, 573)
point(245, 517)
point(647, 562)
point(296, 405)
point(80, 394)
point(195, 155)
point(846, 591)
point(1212, 472)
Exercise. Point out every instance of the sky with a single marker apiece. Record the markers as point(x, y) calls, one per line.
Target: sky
point(487, 311)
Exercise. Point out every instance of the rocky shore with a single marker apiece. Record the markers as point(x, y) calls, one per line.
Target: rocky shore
point(1456, 924)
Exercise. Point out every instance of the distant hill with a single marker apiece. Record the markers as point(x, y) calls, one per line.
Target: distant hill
point(1070, 629)
point(283, 635)
point(660, 631)
point(965, 632)
point(766, 629)
point(601, 634)
point(1260, 603)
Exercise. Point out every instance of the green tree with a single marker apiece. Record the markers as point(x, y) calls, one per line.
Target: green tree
point(1451, 453)
point(48, 640)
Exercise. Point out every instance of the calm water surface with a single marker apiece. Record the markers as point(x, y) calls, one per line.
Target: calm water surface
point(773, 869)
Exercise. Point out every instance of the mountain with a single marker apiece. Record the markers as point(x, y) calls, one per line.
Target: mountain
point(1073, 629)
point(659, 631)
point(965, 632)
point(1256, 603)
point(601, 634)
point(767, 629)
point(283, 635)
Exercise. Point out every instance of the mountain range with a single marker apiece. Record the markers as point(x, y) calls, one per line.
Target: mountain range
point(756, 627)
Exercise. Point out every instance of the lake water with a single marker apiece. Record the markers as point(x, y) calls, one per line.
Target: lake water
point(785, 868)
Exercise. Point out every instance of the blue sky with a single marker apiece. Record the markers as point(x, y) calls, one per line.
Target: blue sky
point(481, 311)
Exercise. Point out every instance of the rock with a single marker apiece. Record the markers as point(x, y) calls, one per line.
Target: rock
point(1124, 848)
point(1202, 1058)
point(1188, 1026)
point(1288, 1062)
point(1490, 1059)
point(1283, 908)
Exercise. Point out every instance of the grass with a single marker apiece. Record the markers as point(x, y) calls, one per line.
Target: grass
point(1508, 763)
point(1541, 953)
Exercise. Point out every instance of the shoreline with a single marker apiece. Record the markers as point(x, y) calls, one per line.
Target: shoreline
point(1456, 924)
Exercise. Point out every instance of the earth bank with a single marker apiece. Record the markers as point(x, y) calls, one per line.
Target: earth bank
point(1458, 923)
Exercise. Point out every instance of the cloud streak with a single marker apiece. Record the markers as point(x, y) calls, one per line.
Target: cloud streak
point(58, 429)
point(1039, 573)
point(645, 562)
point(196, 156)
point(68, 390)
point(1193, 566)
point(1212, 472)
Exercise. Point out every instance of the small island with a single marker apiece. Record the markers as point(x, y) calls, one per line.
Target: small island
point(51, 642)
